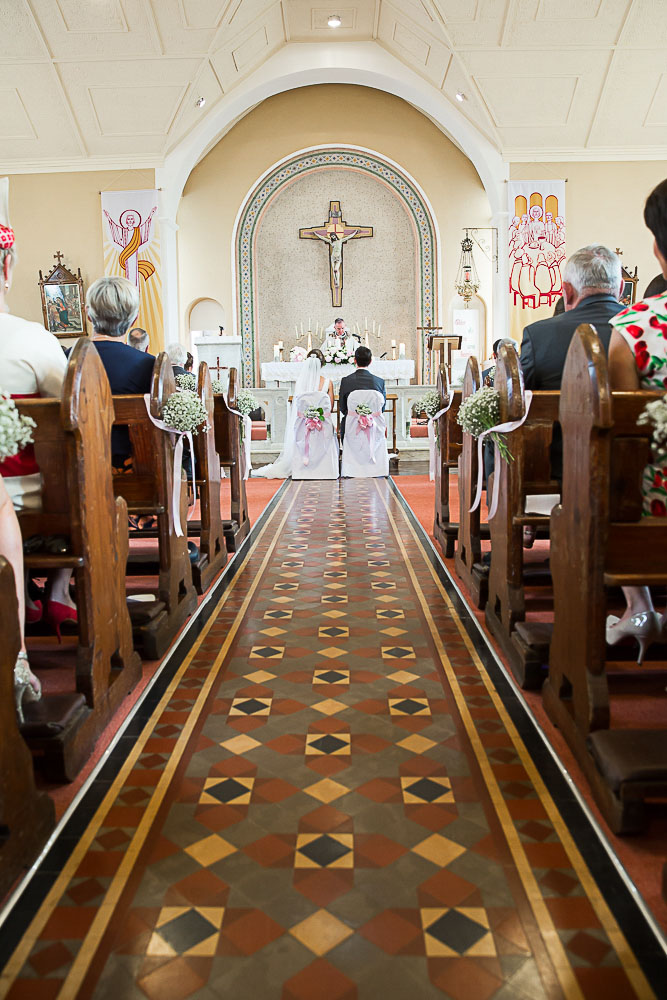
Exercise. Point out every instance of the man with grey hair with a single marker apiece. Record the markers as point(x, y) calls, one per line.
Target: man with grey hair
point(138, 339)
point(178, 356)
point(592, 285)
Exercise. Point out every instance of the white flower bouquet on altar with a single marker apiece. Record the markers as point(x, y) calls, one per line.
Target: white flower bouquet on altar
point(480, 412)
point(297, 353)
point(15, 430)
point(343, 355)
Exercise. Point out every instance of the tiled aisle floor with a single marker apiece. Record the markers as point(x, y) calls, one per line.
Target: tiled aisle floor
point(328, 802)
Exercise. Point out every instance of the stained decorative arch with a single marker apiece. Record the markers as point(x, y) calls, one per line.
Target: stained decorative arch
point(283, 174)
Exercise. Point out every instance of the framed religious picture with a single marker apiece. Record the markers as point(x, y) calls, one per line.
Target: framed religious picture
point(63, 301)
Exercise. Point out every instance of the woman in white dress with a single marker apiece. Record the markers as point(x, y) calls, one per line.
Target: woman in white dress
point(309, 380)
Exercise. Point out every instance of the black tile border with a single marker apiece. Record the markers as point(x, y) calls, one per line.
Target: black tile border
point(620, 895)
point(15, 919)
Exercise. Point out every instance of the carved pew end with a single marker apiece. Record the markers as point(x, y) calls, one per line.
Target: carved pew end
point(628, 766)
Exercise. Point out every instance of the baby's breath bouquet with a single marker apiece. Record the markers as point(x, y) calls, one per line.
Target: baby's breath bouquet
point(655, 413)
point(15, 430)
point(218, 387)
point(187, 381)
point(480, 412)
point(430, 403)
point(246, 402)
point(185, 412)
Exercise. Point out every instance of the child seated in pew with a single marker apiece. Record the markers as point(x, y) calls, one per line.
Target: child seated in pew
point(638, 360)
point(31, 364)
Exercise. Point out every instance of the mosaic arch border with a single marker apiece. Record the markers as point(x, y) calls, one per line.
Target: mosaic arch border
point(283, 174)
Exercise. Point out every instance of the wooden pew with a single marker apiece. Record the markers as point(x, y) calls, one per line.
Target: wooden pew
point(599, 540)
point(26, 815)
point(209, 529)
point(72, 449)
point(147, 488)
point(528, 474)
point(231, 453)
point(448, 449)
point(468, 559)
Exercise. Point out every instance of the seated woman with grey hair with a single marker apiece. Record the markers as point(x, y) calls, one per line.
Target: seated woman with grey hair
point(178, 356)
point(112, 305)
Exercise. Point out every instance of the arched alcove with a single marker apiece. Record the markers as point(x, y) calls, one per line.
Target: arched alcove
point(315, 160)
point(206, 314)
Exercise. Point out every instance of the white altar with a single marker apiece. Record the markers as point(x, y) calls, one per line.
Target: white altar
point(279, 374)
point(218, 352)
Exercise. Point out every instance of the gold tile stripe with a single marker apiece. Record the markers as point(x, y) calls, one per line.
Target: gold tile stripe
point(79, 968)
point(550, 936)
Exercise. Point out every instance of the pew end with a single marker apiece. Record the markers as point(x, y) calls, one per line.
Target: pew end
point(210, 529)
point(448, 449)
point(27, 816)
point(600, 539)
point(227, 429)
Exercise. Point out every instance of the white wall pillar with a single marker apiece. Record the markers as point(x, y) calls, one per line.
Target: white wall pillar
point(500, 282)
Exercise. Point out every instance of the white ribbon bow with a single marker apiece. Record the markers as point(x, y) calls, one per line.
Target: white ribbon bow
point(177, 440)
point(506, 428)
point(431, 436)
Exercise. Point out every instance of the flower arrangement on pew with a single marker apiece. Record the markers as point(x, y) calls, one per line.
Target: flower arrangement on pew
point(187, 381)
point(184, 412)
point(15, 430)
point(479, 413)
point(429, 404)
point(339, 355)
point(246, 402)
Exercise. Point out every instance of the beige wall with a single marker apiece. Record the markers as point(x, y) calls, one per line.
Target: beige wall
point(51, 212)
point(312, 116)
point(604, 203)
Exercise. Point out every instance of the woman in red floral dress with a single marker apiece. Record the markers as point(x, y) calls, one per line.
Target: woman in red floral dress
point(638, 360)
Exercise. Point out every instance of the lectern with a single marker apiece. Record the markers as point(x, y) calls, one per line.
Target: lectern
point(441, 348)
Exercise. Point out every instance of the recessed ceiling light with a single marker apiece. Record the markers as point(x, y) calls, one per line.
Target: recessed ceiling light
point(460, 96)
point(334, 21)
point(200, 102)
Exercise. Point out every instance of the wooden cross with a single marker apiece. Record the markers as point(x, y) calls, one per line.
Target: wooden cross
point(59, 257)
point(335, 233)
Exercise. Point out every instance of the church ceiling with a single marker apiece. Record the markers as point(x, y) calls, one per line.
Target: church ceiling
point(105, 82)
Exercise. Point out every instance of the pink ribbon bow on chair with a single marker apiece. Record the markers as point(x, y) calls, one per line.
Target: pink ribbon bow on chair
point(365, 425)
point(312, 424)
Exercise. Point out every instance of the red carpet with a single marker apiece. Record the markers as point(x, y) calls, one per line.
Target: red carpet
point(642, 856)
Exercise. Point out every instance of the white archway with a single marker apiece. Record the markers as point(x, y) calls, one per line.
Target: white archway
point(365, 64)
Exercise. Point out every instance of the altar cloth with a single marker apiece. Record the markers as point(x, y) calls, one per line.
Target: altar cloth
point(274, 372)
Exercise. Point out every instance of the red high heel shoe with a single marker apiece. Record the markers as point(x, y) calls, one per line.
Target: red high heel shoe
point(34, 614)
point(57, 614)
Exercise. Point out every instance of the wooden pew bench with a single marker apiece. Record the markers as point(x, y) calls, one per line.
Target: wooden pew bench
point(599, 540)
point(26, 815)
point(72, 449)
point(231, 453)
point(527, 475)
point(448, 448)
point(468, 559)
point(147, 488)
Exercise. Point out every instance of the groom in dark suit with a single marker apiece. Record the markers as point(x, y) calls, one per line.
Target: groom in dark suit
point(361, 379)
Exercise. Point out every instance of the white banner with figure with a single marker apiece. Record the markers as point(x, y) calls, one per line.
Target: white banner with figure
point(132, 249)
point(536, 242)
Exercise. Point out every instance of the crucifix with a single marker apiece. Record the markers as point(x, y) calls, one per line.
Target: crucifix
point(335, 233)
point(59, 257)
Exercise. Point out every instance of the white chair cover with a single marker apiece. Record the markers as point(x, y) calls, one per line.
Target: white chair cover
point(365, 444)
point(315, 444)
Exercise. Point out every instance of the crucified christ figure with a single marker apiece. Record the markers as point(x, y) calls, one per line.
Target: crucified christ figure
point(336, 251)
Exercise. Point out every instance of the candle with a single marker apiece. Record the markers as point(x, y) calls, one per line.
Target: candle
point(296, 330)
point(393, 343)
point(280, 344)
point(379, 325)
point(310, 342)
point(302, 328)
point(309, 322)
point(276, 353)
point(401, 350)
point(366, 338)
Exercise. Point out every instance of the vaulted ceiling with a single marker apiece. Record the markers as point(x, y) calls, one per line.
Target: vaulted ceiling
point(90, 81)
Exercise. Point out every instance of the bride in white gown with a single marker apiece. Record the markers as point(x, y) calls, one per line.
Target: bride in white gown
point(309, 380)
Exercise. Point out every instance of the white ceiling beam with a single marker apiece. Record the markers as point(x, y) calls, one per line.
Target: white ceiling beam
point(607, 76)
point(153, 27)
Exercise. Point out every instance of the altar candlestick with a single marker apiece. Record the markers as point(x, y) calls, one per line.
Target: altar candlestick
point(366, 338)
point(401, 350)
point(276, 353)
point(365, 322)
point(393, 343)
point(280, 344)
point(296, 330)
point(310, 342)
